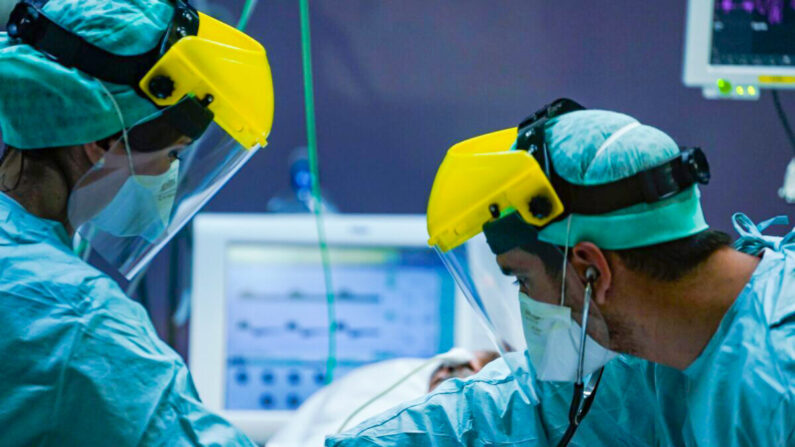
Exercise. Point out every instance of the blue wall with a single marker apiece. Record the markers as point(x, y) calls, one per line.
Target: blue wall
point(398, 82)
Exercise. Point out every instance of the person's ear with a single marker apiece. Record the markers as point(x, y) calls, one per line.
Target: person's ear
point(94, 152)
point(585, 256)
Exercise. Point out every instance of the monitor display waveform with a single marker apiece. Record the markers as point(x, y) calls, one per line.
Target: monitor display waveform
point(772, 10)
point(753, 33)
point(301, 295)
point(390, 302)
point(295, 327)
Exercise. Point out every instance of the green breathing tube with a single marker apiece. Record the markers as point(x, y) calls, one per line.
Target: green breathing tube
point(245, 15)
point(311, 133)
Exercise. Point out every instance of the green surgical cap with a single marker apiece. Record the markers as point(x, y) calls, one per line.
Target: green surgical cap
point(44, 104)
point(592, 147)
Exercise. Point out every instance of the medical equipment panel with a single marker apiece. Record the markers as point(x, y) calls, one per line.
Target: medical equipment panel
point(735, 47)
point(390, 302)
point(259, 332)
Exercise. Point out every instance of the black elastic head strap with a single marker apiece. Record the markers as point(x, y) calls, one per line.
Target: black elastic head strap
point(188, 117)
point(648, 186)
point(531, 136)
point(184, 22)
point(29, 24)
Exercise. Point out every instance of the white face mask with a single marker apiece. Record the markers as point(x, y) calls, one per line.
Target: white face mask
point(142, 207)
point(553, 342)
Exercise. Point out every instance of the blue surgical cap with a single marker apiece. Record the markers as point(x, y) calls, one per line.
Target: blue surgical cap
point(592, 147)
point(44, 104)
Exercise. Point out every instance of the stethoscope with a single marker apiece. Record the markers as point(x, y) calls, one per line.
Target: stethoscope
point(583, 393)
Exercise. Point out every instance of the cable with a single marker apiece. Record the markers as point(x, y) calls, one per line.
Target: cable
point(245, 16)
point(784, 120)
point(311, 134)
point(386, 391)
point(452, 357)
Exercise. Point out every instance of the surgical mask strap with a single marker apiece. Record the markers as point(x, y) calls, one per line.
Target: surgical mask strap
point(123, 125)
point(565, 260)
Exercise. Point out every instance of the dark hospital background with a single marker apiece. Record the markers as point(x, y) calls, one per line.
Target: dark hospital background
point(398, 82)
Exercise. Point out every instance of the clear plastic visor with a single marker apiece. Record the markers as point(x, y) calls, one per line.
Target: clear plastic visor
point(532, 303)
point(146, 187)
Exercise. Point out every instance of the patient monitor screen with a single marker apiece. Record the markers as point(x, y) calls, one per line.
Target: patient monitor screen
point(753, 32)
point(388, 301)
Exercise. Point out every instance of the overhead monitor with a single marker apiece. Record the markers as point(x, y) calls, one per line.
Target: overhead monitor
point(733, 48)
point(259, 341)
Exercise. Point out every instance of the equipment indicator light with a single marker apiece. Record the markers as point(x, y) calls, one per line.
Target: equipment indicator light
point(740, 90)
point(724, 86)
point(751, 90)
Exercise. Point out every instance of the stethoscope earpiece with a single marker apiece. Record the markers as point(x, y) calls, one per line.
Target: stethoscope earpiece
point(591, 274)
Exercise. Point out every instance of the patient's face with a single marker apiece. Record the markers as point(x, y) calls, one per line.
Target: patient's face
point(462, 370)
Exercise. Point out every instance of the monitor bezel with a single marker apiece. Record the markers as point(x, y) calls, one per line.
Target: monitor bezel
point(212, 233)
point(697, 70)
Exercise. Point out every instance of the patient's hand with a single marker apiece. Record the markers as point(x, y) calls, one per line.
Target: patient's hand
point(461, 370)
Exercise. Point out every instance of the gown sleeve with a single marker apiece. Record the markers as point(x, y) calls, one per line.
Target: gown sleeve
point(488, 409)
point(121, 385)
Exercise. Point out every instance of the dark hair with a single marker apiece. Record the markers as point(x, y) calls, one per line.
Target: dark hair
point(668, 261)
point(34, 154)
point(5, 149)
point(6, 152)
point(551, 256)
point(672, 260)
point(43, 154)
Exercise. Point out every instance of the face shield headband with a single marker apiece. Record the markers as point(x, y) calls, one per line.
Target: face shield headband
point(514, 173)
point(648, 186)
point(198, 59)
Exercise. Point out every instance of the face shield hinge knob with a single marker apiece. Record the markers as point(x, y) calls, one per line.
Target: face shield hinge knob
point(494, 209)
point(161, 86)
point(540, 207)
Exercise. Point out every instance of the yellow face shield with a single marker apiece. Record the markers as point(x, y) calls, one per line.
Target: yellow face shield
point(224, 68)
point(212, 85)
point(221, 69)
point(479, 180)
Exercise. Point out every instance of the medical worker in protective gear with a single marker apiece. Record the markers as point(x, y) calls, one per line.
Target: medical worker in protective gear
point(121, 118)
point(632, 324)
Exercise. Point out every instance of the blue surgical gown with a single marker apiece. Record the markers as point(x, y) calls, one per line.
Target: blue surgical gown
point(80, 363)
point(739, 392)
